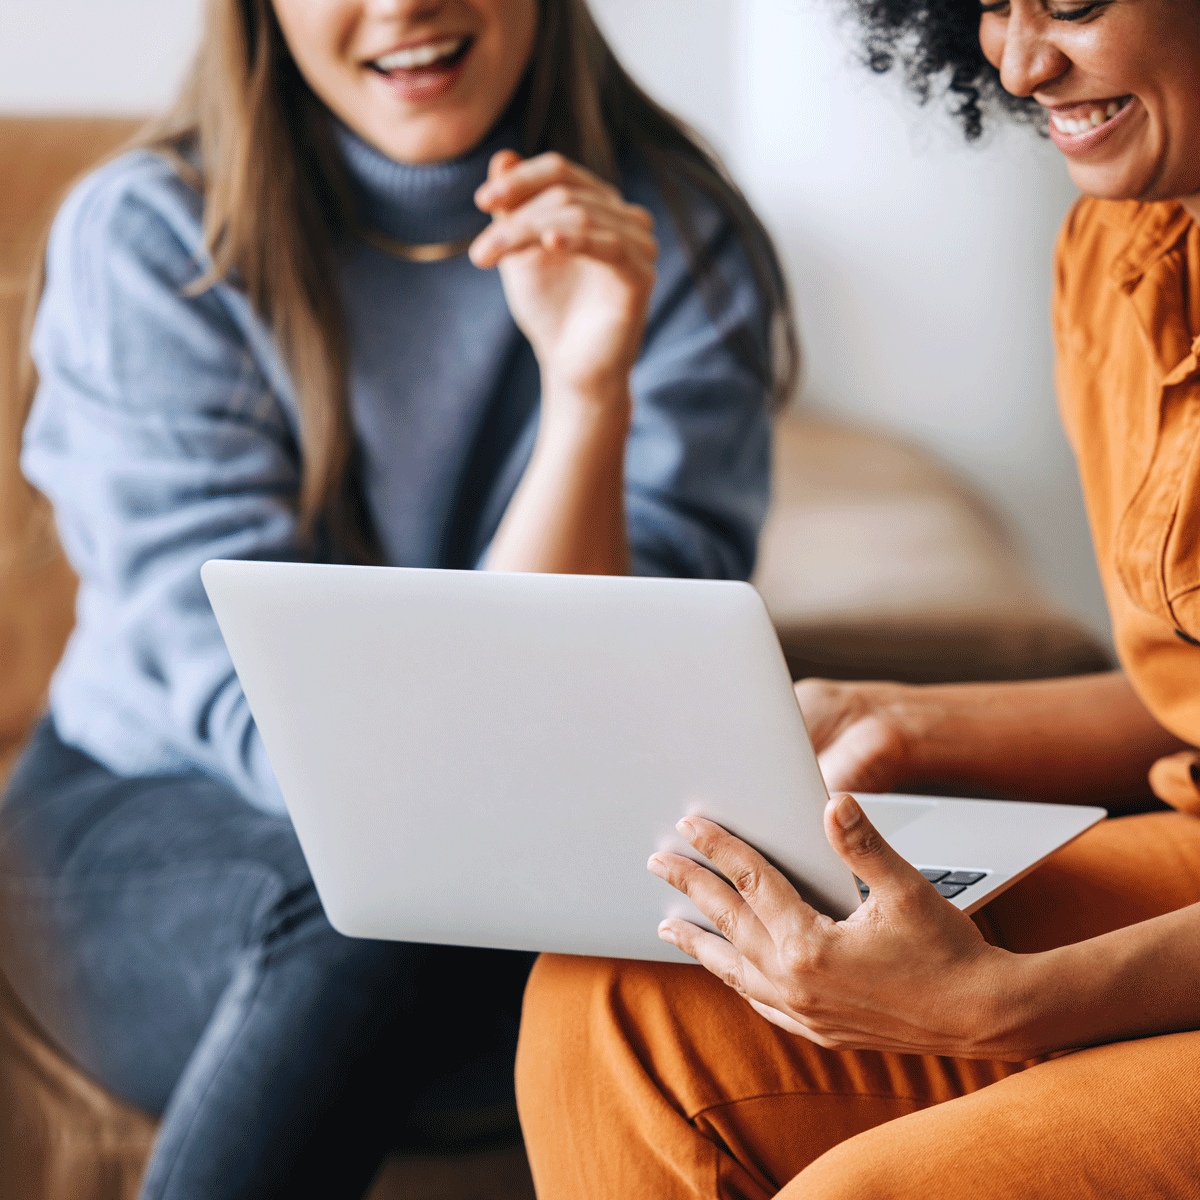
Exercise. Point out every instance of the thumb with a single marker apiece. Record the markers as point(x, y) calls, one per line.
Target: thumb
point(862, 847)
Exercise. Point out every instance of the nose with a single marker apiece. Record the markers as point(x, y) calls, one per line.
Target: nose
point(1029, 59)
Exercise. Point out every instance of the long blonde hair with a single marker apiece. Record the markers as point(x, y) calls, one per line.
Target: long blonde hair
point(250, 135)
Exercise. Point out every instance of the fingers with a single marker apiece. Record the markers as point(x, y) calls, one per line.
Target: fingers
point(863, 849)
point(568, 233)
point(732, 968)
point(553, 203)
point(762, 914)
point(570, 223)
point(731, 916)
point(764, 888)
point(724, 961)
point(713, 953)
point(499, 165)
point(512, 180)
point(863, 757)
point(785, 1021)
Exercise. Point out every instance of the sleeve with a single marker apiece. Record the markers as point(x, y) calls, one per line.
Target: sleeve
point(698, 458)
point(161, 444)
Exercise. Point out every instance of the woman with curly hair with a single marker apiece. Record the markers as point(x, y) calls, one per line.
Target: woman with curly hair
point(1050, 1047)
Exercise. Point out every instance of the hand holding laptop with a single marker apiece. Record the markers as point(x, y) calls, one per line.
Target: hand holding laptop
point(906, 972)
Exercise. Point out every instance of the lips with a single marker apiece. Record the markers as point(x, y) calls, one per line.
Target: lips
point(1077, 128)
point(435, 55)
point(423, 72)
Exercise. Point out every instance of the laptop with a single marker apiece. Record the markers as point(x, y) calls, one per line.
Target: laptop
point(486, 759)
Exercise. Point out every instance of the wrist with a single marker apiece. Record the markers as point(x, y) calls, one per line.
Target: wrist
point(1011, 1017)
point(935, 728)
point(594, 413)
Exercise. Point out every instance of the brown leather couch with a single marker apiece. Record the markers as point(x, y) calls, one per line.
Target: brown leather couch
point(876, 563)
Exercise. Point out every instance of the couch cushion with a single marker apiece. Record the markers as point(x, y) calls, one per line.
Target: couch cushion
point(62, 1136)
point(879, 563)
point(39, 158)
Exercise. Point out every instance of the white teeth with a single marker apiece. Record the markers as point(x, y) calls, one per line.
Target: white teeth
point(1083, 124)
point(413, 57)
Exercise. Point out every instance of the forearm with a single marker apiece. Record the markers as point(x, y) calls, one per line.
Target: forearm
point(1087, 739)
point(1134, 982)
point(568, 512)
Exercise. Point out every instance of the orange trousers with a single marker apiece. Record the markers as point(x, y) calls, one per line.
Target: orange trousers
point(647, 1080)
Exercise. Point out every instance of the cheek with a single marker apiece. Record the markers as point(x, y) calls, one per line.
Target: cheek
point(516, 25)
point(317, 33)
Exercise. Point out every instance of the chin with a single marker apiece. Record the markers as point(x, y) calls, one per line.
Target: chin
point(1110, 183)
point(444, 140)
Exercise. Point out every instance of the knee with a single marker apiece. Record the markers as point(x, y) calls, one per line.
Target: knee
point(596, 1023)
point(560, 994)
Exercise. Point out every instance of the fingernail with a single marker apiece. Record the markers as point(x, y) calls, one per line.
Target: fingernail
point(667, 936)
point(686, 828)
point(847, 813)
point(657, 865)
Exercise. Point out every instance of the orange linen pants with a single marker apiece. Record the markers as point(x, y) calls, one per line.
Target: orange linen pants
point(647, 1080)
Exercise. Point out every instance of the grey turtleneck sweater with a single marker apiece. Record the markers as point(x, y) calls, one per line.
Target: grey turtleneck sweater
point(165, 432)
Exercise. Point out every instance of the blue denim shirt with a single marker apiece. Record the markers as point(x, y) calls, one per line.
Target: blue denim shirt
point(165, 433)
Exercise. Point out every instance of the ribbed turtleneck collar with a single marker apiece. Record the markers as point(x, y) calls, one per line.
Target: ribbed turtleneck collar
point(420, 202)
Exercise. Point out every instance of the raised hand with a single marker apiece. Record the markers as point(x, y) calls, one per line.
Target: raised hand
point(577, 264)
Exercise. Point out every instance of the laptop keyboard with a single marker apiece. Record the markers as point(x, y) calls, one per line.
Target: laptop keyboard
point(948, 883)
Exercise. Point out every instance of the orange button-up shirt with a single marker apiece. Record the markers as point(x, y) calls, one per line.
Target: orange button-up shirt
point(1126, 320)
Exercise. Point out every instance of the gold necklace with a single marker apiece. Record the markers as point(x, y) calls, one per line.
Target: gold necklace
point(418, 252)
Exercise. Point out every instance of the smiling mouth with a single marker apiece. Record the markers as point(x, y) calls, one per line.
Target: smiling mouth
point(429, 58)
point(1083, 118)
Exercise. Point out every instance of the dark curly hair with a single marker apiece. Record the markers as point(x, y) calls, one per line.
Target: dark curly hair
point(937, 43)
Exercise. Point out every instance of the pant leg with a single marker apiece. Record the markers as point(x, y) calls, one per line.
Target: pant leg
point(171, 940)
point(642, 1079)
point(1113, 1121)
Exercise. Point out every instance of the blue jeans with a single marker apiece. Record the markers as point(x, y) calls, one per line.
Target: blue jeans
point(168, 936)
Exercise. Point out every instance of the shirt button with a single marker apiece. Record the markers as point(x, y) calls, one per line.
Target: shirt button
point(1186, 637)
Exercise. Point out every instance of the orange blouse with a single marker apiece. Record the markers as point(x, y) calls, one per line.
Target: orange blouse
point(1126, 319)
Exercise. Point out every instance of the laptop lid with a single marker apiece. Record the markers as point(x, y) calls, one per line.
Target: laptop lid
point(488, 759)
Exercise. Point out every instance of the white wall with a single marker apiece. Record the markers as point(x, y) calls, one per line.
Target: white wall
point(107, 56)
point(921, 266)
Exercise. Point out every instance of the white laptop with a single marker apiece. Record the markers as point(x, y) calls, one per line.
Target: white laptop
point(487, 759)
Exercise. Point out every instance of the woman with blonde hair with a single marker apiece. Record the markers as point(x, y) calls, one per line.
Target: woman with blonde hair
point(412, 282)
point(1051, 1047)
